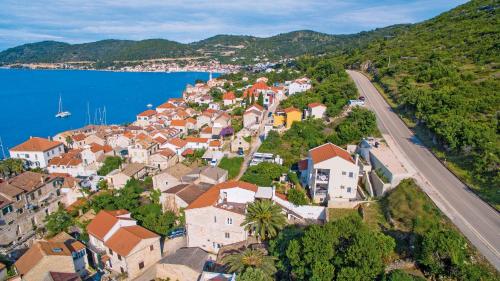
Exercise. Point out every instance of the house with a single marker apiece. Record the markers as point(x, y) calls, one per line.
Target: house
point(229, 98)
point(181, 195)
point(292, 115)
point(78, 140)
point(214, 105)
point(170, 177)
point(36, 152)
point(253, 116)
point(180, 125)
point(206, 132)
point(215, 218)
point(77, 249)
point(279, 119)
point(44, 257)
point(97, 138)
point(213, 175)
point(120, 245)
point(239, 143)
point(190, 124)
point(223, 120)
point(176, 144)
point(25, 201)
point(332, 174)
point(94, 152)
point(142, 149)
point(215, 145)
point(167, 106)
point(69, 163)
point(299, 86)
point(210, 276)
point(70, 190)
point(119, 177)
point(163, 159)
point(197, 143)
point(316, 110)
point(146, 117)
point(186, 264)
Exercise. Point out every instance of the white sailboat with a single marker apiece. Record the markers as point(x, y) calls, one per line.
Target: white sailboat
point(60, 112)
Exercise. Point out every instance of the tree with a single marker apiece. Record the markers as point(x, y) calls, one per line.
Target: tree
point(297, 196)
point(399, 275)
point(260, 100)
point(254, 274)
point(264, 219)
point(152, 217)
point(110, 163)
point(58, 221)
point(263, 174)
point(249, 258)
point(69, 141)
point(11, 166)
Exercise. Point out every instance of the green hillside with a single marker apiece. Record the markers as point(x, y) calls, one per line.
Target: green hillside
point(222, 47)
point(442, 74)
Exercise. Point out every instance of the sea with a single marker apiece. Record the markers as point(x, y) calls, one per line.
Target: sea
point(29, 99)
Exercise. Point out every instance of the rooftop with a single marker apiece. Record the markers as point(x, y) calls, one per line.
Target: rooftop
point(328, 151)
point(36, 144)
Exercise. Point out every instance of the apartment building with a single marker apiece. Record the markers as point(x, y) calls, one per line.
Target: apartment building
point(36, 152)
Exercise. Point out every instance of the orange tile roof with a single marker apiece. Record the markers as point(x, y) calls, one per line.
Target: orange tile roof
point(79, 137)
point(178, 142)
point(206, 130)
point(36, 144)
point(178, 123)
point(257, 106)
point(229, 96)
point(327, 151)
point(198, 140)
point(94, 147)
point(188, 151)
point(127, 238)
point(166, 105)
point(215, 143)
point(291, 109)
point(166, 152)
point(148, 112)
point(211, 196)
point(315, 104)
point(39, 250)
point(191, 120)
point(103, 222)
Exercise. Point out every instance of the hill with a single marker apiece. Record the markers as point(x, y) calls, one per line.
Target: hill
point(442, 75)
point(222, 47)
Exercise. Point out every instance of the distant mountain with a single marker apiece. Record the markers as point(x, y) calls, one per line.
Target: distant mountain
point(222, 47)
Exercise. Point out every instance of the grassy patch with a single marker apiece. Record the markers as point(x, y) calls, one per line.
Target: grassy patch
point(373, 215)
point(336, 214)
point(232, 165)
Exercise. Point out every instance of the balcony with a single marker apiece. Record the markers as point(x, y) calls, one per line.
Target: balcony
point(322, 175)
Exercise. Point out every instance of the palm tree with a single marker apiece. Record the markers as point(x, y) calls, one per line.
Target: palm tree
point(256, 259)
point(264, 219)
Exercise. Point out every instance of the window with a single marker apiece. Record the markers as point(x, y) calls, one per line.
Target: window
point(342, 187)
point(349, 189)
point(36, 156)
point(110, 252)
point(226, 235)
point(344, 173)
point(27, 155)
point(39, 192)
point(18, 197)
point(215, 219)
point(151, 248)
point(351, 174)
point(119, 257)
point(59, 149)
point(141, 265)
point(229, 221)
point(121, 270)
point(32, 196)
point(7, 210)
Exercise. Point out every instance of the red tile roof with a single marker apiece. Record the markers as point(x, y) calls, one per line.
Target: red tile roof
point(36, 144)
point(229, 96)
point(211, 196)
point(178, 142)
point(166, 105)
point(103, 222)
point(178, 123)
point(148, 112)
point(328, 151)
point(127, 238)
point(315, 104)
point(197, 140)
point(291, 109)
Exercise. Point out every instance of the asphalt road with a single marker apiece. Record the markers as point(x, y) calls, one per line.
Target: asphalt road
point(478, 221)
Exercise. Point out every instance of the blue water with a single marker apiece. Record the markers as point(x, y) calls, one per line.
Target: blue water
point(29, 98)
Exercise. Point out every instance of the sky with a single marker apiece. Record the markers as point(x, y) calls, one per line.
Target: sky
point(79, 21)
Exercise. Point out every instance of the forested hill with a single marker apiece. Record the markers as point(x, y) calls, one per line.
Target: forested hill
point(444, 75)
point(222, 47)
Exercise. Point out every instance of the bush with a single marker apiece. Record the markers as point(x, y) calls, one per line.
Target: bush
point(231, 165)
point(297, 196)
point(263, 174)
point(110, 163)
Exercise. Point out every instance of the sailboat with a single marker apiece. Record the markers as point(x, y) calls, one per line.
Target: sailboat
point(60, 112)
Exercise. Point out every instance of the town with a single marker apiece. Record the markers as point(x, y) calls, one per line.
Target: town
point(192, 173)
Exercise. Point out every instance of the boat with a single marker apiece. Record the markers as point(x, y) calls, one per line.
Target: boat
point(60, 112)
point(149, 105)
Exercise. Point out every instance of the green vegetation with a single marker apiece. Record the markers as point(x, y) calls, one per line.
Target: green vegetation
point(251, 263)
point(297, 196)
point(263, 174)
point(442, 75)
point(360, 245)
point(232, 165)
point(110, 163)
point(264, 219)
point(149, 214)
point(58, 221)
point(11, 167)
point(104, 52)
point(359, 123)
point(332, 86)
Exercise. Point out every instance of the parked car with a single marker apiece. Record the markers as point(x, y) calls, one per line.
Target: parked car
point(240, 151)
point(362, 98)
point(177, 232)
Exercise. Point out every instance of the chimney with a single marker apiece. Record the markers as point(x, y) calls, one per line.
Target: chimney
point(42, 179)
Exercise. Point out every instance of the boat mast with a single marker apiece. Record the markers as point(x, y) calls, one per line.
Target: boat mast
point(3, 151)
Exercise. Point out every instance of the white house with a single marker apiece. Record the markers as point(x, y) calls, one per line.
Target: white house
point(37, 151)
point(332, 174)
point(299, 86)
point(316, 110)
point(253, 116)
